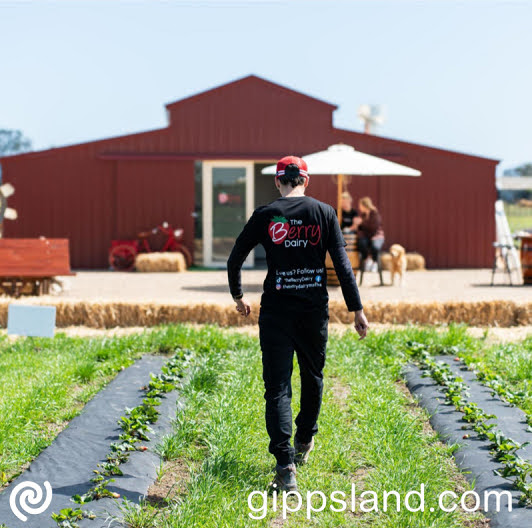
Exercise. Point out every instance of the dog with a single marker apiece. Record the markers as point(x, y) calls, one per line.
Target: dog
point(398, 264)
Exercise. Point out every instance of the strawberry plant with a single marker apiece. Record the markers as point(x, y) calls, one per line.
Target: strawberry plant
point(482, 428)
point(110, 468)
point(97, 492)
point(154, 402)
point(473, 413)
point(67, 517)
point(502, 444)
point(126, 443)
point(117, 457)
point(158, 386)
point(526, 488)
point(512, 467)
point(137, 421)
point(515, 466)
point(454, 392)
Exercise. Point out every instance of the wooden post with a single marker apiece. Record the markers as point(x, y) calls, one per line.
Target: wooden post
point(340, 191)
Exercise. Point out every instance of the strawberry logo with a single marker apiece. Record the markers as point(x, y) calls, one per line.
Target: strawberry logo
point(278, 229)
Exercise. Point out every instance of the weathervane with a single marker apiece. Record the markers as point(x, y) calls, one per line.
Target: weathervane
point(371, 116)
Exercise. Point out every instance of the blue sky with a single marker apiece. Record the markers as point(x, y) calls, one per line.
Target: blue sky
point(454, 74)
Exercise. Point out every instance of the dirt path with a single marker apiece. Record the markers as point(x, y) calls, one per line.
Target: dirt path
point(494, 335)
point(210, 286)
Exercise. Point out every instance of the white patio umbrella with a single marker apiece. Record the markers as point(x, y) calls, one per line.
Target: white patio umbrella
point(344, 160)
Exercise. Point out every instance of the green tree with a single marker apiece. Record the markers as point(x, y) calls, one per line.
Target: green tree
point(524, 170)
point(13, 142)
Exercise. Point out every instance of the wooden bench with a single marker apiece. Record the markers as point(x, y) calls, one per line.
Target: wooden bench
point(29, 265)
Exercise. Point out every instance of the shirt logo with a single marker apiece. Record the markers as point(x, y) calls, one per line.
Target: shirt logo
point(293, 233)
point(278, 229)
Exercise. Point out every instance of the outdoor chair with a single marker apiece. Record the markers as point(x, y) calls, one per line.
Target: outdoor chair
point(503, 251)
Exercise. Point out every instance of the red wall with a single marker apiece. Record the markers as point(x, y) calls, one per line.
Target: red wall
point(151, 192)
point(91, 201)
point(446, 214)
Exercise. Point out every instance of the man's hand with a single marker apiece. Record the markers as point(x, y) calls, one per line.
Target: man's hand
point(243, 307)
point(361, 324)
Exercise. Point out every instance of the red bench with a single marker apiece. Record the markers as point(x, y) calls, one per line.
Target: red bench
point(29, 265)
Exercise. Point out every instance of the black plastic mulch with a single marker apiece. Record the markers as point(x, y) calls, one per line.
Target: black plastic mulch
point(68, 463)
point(473, 456)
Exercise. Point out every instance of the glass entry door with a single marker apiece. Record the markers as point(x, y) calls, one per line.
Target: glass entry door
point(227, 205)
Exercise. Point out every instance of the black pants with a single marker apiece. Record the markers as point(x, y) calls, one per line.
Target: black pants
point(367, 246)
point(280, 336)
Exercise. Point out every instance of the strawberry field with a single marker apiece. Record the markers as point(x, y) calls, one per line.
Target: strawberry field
point(212, 454)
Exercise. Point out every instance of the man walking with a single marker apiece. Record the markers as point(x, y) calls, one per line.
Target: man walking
point(296, 232)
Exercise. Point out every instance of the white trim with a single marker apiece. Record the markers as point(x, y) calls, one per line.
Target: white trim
point(206, 178)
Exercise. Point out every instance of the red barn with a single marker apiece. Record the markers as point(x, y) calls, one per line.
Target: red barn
point(203, 172)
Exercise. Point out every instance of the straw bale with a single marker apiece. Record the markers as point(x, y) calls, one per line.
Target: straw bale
point(111, 314)
point(160, 261)
point(414, 261)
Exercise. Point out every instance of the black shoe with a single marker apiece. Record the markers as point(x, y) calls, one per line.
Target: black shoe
point(303, 452)
point(285, 478)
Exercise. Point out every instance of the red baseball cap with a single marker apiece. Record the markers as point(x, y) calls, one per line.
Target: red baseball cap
point(292, 160)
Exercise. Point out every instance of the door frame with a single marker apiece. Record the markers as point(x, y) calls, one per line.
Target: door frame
point(206, 177)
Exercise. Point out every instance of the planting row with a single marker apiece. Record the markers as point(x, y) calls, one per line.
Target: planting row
point(47, 382)
point(136, 428)
point(503, 449)
point(519, 397)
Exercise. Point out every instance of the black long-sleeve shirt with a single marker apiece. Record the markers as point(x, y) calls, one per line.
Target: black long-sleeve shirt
point(296, 234)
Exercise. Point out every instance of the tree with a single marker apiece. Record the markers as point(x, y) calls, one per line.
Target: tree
point(524, 170)
point(13, 142)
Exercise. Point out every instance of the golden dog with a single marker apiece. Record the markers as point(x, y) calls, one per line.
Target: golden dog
point(398, 264)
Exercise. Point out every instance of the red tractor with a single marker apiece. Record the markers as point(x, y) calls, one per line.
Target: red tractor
point(161, 238)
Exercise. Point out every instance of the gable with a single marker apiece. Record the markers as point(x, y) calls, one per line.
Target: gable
point(246, 83)
point(249, 99)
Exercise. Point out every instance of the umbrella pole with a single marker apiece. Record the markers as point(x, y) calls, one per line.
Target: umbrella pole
point(340, 191)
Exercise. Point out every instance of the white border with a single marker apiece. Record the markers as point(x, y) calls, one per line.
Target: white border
point(206, 178)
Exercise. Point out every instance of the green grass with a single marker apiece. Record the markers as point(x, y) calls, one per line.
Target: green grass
point(368, 436)
point(510, 362)
point(518, 217)
point(46, 382)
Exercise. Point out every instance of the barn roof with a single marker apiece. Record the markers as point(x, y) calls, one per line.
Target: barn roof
point(259, 87)
point(249, 80)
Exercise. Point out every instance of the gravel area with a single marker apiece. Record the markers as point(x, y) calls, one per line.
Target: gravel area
point(211, 287)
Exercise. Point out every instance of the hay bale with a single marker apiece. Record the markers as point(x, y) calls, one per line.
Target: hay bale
point(481, 313)
point(523, 202)
point(111, 314)
point(386, 261)
point(414, 261)
point(161, 261)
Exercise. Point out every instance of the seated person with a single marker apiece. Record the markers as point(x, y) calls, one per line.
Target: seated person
point(350, 216)
point(370, 235)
